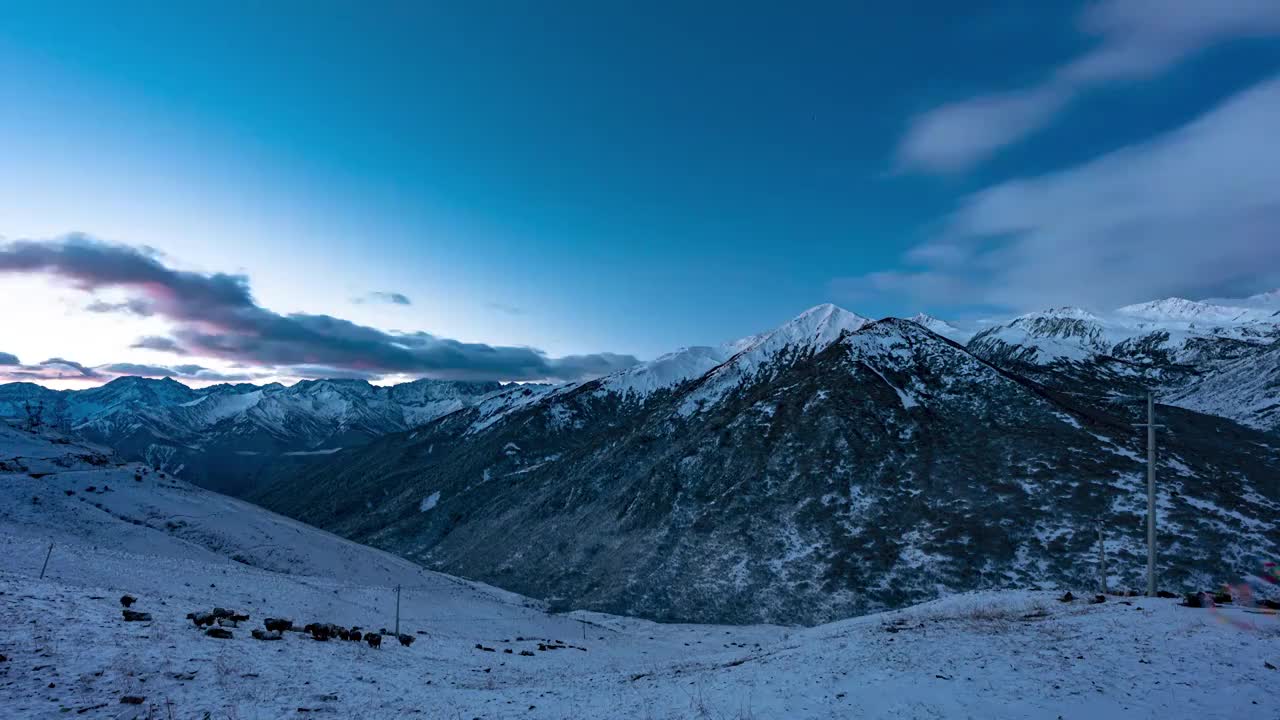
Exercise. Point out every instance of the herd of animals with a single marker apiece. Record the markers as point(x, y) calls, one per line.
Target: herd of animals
point(219, 622)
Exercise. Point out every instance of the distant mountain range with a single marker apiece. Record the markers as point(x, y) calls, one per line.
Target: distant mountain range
point(224, 436)
point(833, 465)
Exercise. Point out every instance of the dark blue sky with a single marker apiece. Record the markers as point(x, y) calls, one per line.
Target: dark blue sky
point(594, 176)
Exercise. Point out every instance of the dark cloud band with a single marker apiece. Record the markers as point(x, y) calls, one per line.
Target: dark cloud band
point(216, 316)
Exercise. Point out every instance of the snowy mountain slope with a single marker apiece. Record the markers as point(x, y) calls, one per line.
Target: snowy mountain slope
point(1180, 309)
point(886, 468)
point(1164, 346)
point(66, 651)
point(942, 327)
point(807, 333)
point(1171, 331)
point(1247, 390)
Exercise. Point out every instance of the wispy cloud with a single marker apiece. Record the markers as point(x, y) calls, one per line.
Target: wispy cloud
point(159, 344)
point(141, 308)
point(184, 372)
point(63, 369)
point(1193, 213)
point(1135, 39)
point(505, 308)
point(216, 316)
point(392, 298)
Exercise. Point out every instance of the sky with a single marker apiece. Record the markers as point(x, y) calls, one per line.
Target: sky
point(550, 191)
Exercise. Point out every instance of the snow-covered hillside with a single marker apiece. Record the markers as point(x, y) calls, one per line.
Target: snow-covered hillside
point(1247, 391)
point(66, 651)
point(1171, 330)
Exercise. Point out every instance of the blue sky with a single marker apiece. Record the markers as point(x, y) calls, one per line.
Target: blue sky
point(629, 178)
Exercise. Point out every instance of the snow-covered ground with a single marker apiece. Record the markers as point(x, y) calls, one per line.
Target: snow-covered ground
point(67, 651)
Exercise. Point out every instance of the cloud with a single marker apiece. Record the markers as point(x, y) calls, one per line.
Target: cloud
point(186, 372)
point(132, 307)
point(216, 316)
point(955, 137)
point(1193, 213)
point(60, 363)
point(51, 369)
point(63, 369)
point(393, 298)
point(505, 308)
point(159, 344)
point(1135, 39)
point(8, 359)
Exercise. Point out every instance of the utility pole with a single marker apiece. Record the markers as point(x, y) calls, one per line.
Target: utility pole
point(46, 561)
point(397, 610)
point(1102, 560)
point(1151, 426)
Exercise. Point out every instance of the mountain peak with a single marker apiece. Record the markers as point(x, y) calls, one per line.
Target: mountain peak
point(941, 327)
point(1069, 312)
point(1184, 310)
point(818, 326)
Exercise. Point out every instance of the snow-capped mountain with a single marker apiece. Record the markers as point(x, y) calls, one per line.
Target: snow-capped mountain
point(1164, 343)
point(942, 327)
point(1246, 390)
point(832, 466)
point(1190, 311)
point(224, 435)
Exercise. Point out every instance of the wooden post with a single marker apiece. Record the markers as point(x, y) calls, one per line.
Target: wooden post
point(46, 561)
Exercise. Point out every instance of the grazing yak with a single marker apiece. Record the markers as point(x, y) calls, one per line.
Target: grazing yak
point(277, 624)
point(405, 640)
point(127, 600)
point(374, 640)
point(202, 619)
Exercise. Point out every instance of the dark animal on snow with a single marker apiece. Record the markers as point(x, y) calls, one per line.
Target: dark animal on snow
point(266, 634)
point(374, 640)
point(202, 619)
point(219, 633)
point(355, 636)
point(405, 640)
point(277, 624)
point(127, 600)
point(134, 616)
